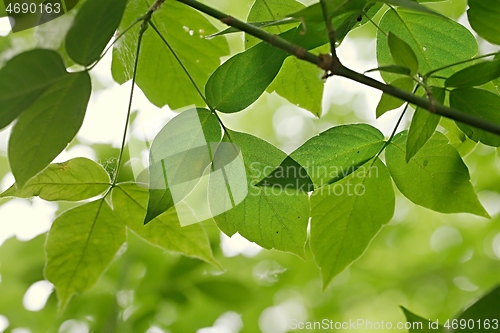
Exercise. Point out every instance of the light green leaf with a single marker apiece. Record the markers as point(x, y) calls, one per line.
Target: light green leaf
point(388, 102)
point(74, 180)
point(336, 8)
point(481, 103)
point(409, 4)
point(419, 324)
point(270, 10)
point(48, 125)
point(231, 292)
point(484, 311)
point(81, 244)
point(273, 217)
point(85, 42)
point(347, 215)
point(423, 125)
point(391, 69)
point(300, 83)
point(24, 79)
point(185, 30)
point(483, 17)
point(338, 151)
point(178, 157)
point(130, 202)
point(435, 178)
point(475, 75)
point(436, 40)
point(402, 53)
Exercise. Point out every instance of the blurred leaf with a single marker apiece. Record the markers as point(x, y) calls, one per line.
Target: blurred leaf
point(25, 78)
point(480, 103)
point(484, 312)
point(130, 202)
point(34, 15)
point(402, 53)
point(423, 125)
point(388, 102)
point(436, 40)
point(48, 125)
point(185, 30)
point(338, 151)
point(436, 177)
point(230, 292)
point(345, 221)
point(85, 42)
point(419, 324)
point(475, 75)
point(271, 217)
point(178, 157)
point(74, 180)
point(81, 244)
point(483, 17)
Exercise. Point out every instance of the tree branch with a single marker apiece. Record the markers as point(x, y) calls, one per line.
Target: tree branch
point(338, 69)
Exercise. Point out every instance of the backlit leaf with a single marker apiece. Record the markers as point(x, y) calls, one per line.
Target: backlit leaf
point(402, 53)
point(388, 102)
point(475, 75)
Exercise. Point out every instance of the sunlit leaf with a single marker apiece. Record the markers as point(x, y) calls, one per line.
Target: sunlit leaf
point(388, 102)
point(74, 180)
point(402, 53)
point(481, 103)
point(338, 151)
point(80, 246)
point(475, 75)
point(346, 215)
point(436, 177)
point(85, 42)
point(483, 16)
point(48, 125)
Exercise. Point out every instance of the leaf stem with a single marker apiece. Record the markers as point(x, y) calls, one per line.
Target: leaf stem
point(329, 27)
point(336, 68)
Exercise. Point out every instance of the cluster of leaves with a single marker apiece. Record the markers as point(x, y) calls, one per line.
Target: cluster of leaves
point(417, 49)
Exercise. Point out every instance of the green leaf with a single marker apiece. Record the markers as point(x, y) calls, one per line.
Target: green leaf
point(34, 16)
point(25, 78)
point(423, 125)
point(185, 30)
point(244, 77)
point(347, 215)
point(402, 53)
point(85, 42)
point(388, 102)
point(496, 81)
point(74, 180)
point(178, 157)
point(436, 40)
point(81, 244)
point(336, 8)
point(485, 310)
point(274, 217)
point(409, 4)
point(48, 125)
point(270, 10)
point(481, 103)
point(391, 69)
point(419, 324)
point(338, 151)
point(300, 83)
point(483, 17)
point(475, 75)
point(130, 202)
point(289, 174)
point(435, 178)
point(227, 291)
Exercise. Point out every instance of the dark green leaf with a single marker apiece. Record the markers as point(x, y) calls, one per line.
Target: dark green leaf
point(436, 40)
point(388, 102)
point(178, 157)
point(391, 69)
point(273, 217)
point(24, 79)
point(483, 17)
point(346, 215)
point(484, 313)
point(475, 75)
point(289, 174)
point(402, 53)
point(423, 125)
point(74, 180)
point(34, 141)
point(336, 8)
point(130, 202)
point(185, 30)
point(338, 151)
point(481, 103)
point(436, 177)
point(421, 325)
point(25, 19)
point(85, 42)
point(81, 244)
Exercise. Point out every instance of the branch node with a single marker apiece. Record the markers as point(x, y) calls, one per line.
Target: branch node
point(228, 20)
point(156, 5)
point(300, 53)
point(326, 61)
point(273, 38)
